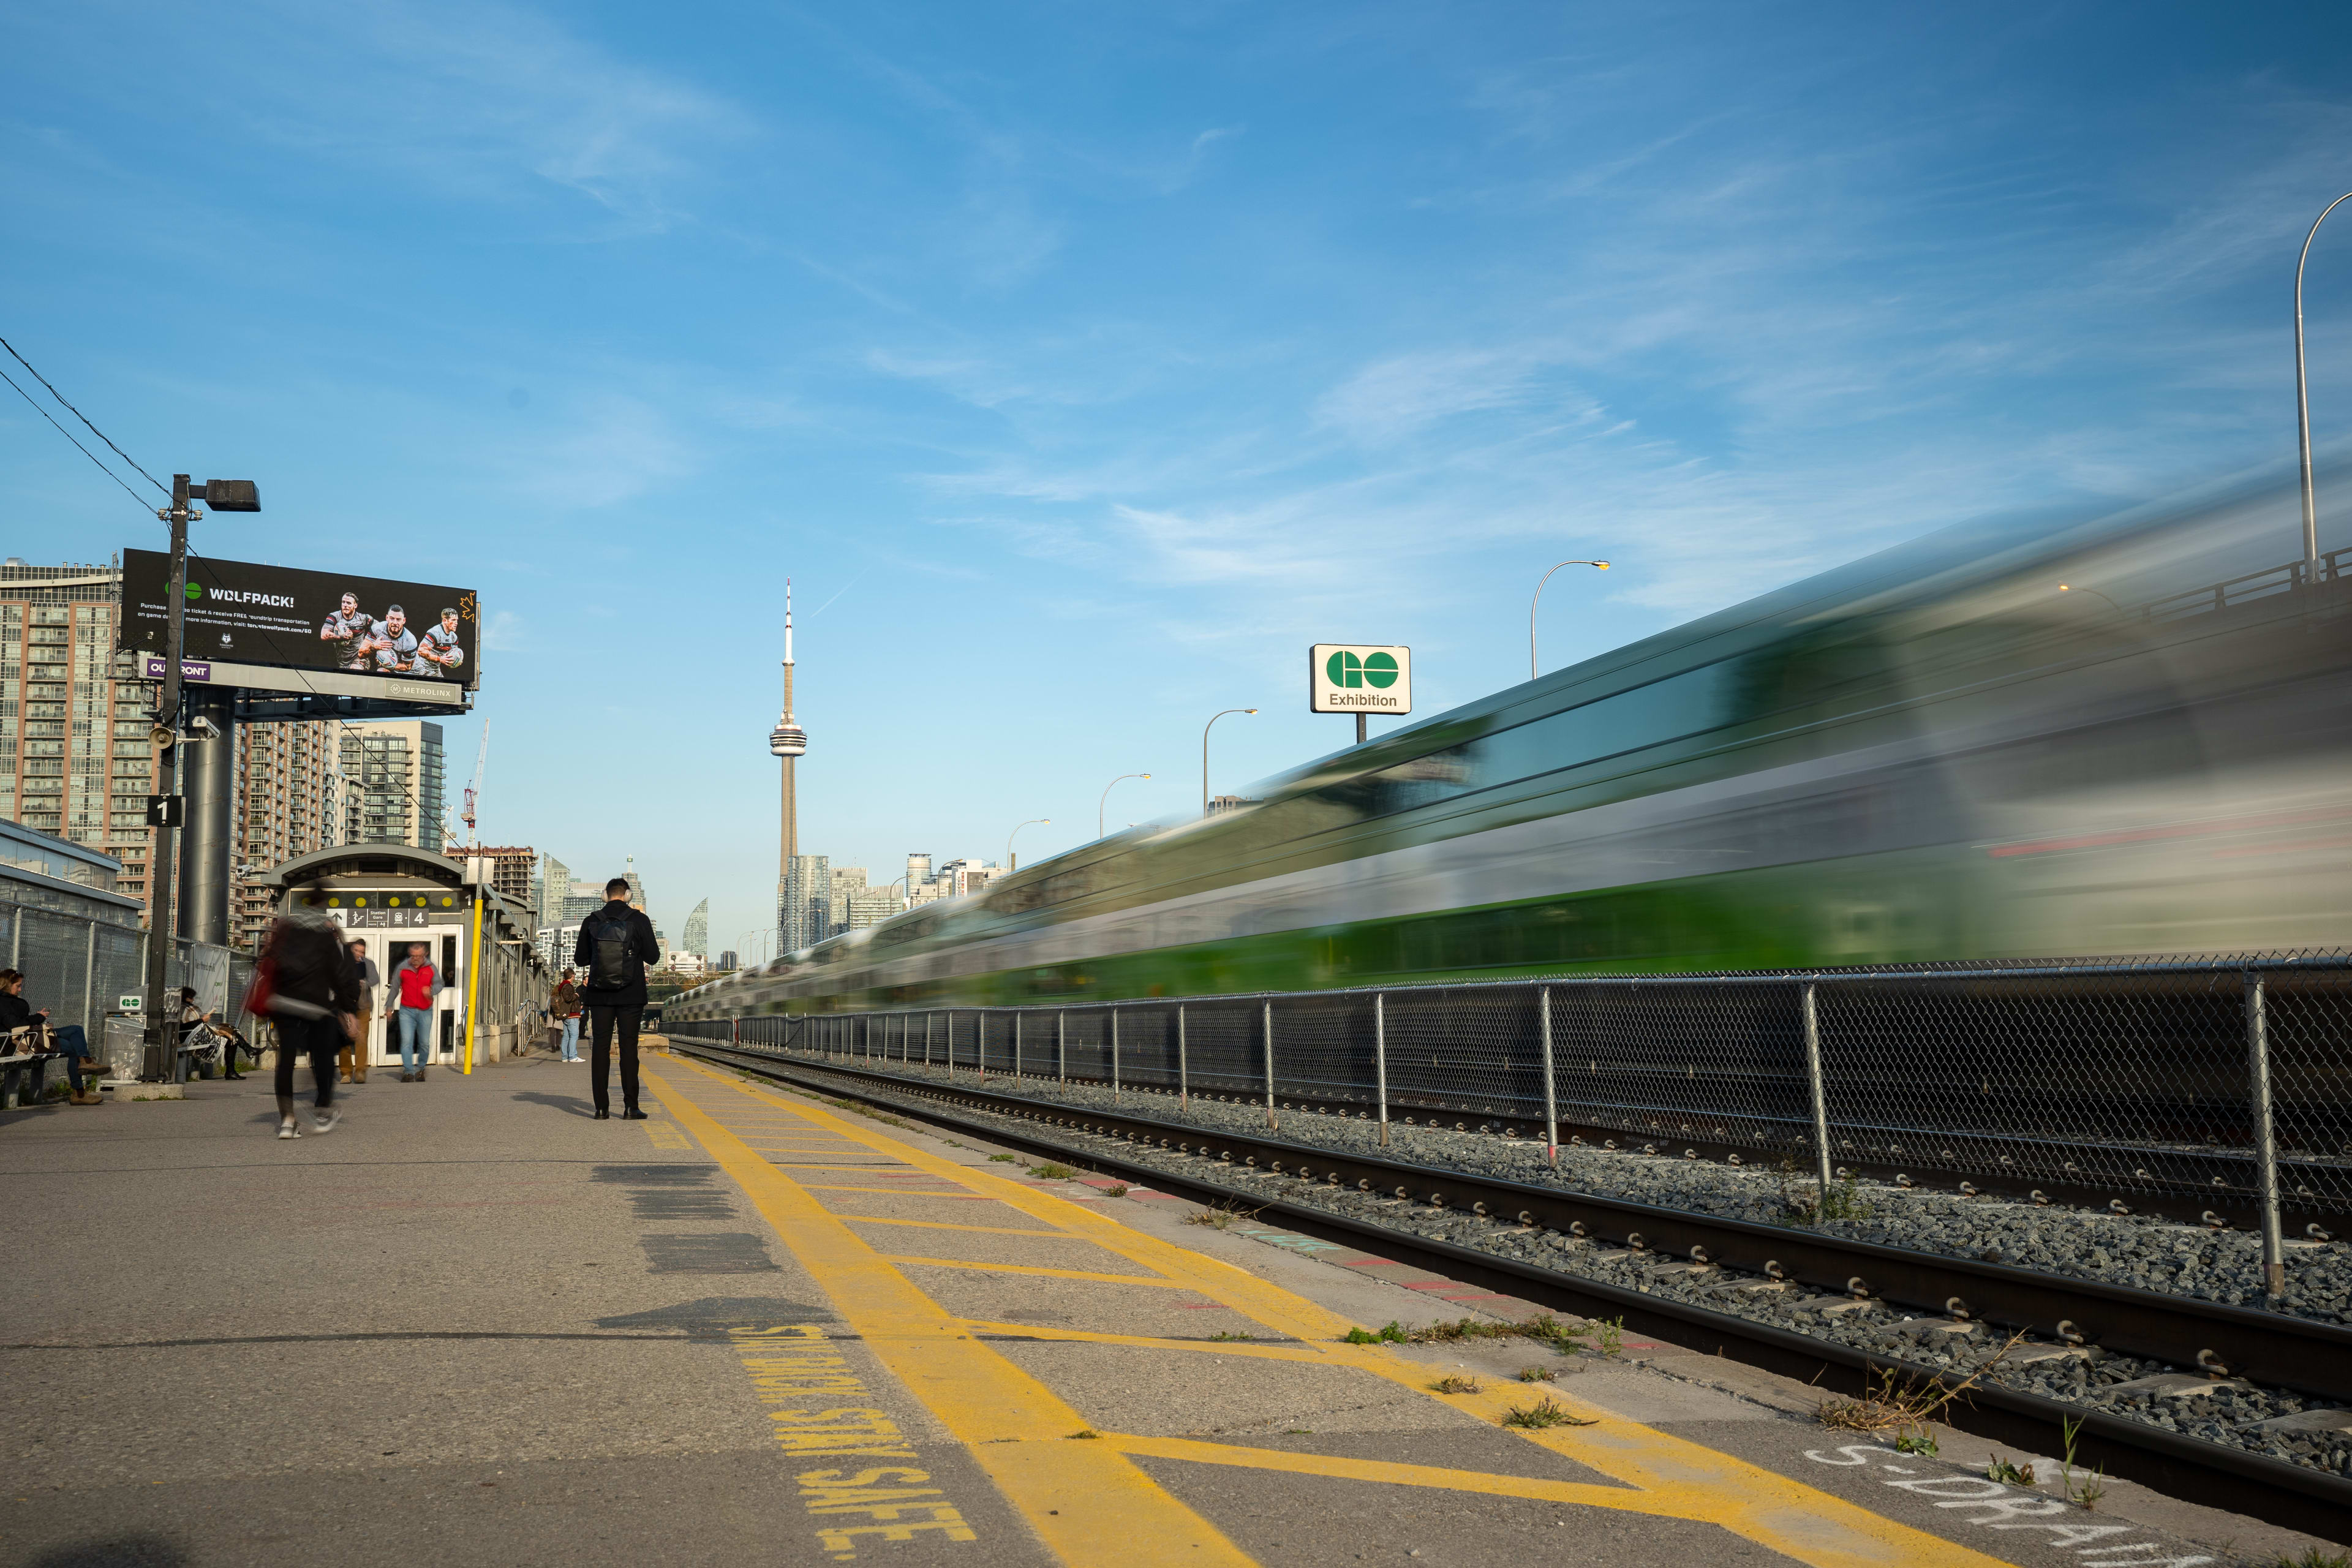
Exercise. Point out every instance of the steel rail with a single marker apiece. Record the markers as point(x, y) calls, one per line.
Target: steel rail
point(2315, 1358)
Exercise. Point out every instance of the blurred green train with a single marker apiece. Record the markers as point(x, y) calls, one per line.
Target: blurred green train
point(2033, 737)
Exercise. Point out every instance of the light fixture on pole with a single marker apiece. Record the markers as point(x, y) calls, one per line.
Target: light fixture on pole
point(2078, 588)
point(1104, 805)
point(222, 495)
point(1204, 753)
point(1598, 565)
point(1012, 865)
point(2302, 404)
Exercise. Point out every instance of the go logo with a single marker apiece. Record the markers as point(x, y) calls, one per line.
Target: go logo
point(1377, 671)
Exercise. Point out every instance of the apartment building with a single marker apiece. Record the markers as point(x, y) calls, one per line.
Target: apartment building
point(395, 783)
point(290, 801)
point(512, 870)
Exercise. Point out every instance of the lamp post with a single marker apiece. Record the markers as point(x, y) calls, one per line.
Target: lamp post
point(211, 836)
point(1010, 864)
point(1204, 753)
point(1104, 805)
point(1598, 565)
point(2303, 403)
point(2076, 588)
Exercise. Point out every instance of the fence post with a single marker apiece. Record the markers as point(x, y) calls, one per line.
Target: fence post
point(2258, 1076)
point(1183, 1075)
point(1016, 1041)
point(928, 1018)
point(1813, 1081)
point(1381, 1058)
point(1551, 1098)
point(1114, 1053)
point(90, 993)
point(1061, 1046)
point(1272, 1121)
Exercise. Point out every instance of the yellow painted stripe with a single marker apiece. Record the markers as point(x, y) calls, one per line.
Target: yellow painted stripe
point(948, 1225)
point(665, 1136)
point(898, 1258)
point(1088, 1503)
point(1630, 1500)
point(1693, 1481)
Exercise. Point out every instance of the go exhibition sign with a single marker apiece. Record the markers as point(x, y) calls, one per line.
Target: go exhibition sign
point(1351, 678)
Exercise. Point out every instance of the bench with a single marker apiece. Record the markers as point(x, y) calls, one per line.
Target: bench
point(16, 1070)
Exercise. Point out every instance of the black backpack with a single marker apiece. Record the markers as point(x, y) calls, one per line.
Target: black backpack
point(615, 936)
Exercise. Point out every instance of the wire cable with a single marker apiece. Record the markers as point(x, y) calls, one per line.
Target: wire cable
point(78, 414)
point(84, 451)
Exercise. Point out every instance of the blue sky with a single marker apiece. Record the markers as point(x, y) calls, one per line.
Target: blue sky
point(1082, 364)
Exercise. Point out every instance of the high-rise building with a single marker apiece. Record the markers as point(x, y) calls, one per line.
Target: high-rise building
point(637, 885)
point(582, 900)
point(787, 743)
point(726, 963)
point(75, 759)
point(511, 871)
point(396, 775)
point(919, 871)
point(697, 930)
point(843, 880)
point(554, 886)
point(804, 912)
point(290, 801)
point(867, 907)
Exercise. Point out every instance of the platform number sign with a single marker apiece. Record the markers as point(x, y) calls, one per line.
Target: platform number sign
point(1358, 678)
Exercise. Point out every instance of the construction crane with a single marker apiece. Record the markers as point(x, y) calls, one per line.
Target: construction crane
point(474, 789)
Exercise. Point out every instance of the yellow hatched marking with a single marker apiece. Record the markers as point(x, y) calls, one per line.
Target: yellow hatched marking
point(1627, 1500)
point(948, 1225)
point(1151, 1280)
point(1687, 1479)
point(1143, 1342)
point(809, 1165)
point(896, 1193)
point(665, 1136)
point(1088, 1503)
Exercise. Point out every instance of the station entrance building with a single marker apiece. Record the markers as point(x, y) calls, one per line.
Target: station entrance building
point(394, 895)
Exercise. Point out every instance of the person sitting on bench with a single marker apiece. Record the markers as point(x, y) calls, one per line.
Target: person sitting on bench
point(67, 1039)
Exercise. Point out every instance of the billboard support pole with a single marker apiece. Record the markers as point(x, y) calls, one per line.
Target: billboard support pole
point(208, 778)
point(159, 1064)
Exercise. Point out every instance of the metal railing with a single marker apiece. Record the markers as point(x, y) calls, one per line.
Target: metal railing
point(2225, 1079)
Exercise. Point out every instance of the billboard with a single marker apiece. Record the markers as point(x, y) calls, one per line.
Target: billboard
point(281, 629)
point(1358, 678)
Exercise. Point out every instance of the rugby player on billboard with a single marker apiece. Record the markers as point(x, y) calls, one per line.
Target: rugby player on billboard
point(349, 627)
point(391, 644)
point(437, 653)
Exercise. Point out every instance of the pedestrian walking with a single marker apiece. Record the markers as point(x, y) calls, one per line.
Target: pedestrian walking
point(565, 1006)
point(415, 983)
point(311, 989)
point(354, 1062)
point(615, 945)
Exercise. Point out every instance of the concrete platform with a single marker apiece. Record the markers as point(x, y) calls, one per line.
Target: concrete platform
point(474, 1326)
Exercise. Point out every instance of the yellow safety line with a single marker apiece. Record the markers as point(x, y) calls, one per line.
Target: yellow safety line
point(949, 1224)
point(1693, 1481)
point(1153, 1279)
point(665, 1136)
point(1630, 1500)
point(804, 1165)
point(1088, 1503)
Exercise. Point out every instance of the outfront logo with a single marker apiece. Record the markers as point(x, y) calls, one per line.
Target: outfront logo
point(1377, 671)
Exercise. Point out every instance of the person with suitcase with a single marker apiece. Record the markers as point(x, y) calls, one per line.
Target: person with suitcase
point(615, 945)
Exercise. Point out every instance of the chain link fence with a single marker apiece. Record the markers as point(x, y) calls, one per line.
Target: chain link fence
point(2224, 1078)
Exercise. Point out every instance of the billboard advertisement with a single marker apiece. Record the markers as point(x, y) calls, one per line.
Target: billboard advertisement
point(258, 626)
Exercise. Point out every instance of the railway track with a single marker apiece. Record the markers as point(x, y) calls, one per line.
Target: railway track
point(2312, 1359)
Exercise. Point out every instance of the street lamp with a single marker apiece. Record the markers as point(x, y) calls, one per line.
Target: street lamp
point(2071, 588)
point(1204, 753)
point(2303, 403)
point(221, 495)
point(1104, 803)
point(1600, 565)
point(1010, 864)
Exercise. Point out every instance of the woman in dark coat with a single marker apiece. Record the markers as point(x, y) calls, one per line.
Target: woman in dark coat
point(314, 999)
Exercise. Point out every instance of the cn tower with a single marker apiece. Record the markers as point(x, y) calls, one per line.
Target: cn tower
point(787, 741)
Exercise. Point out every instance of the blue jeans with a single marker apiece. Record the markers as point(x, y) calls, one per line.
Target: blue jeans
point(571, 1039)
point(68, 1039)
point(416, 1038)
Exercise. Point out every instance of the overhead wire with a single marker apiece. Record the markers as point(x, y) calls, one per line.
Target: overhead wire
point(78, 414)
point(69, 434)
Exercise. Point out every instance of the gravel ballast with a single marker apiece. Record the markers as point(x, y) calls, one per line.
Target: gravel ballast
point(2143, 1252)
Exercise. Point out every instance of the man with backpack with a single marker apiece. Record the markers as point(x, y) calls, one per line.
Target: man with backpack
point(615, 945)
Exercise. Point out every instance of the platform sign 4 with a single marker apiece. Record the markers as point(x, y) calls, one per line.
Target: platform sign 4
point(1356, 678)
